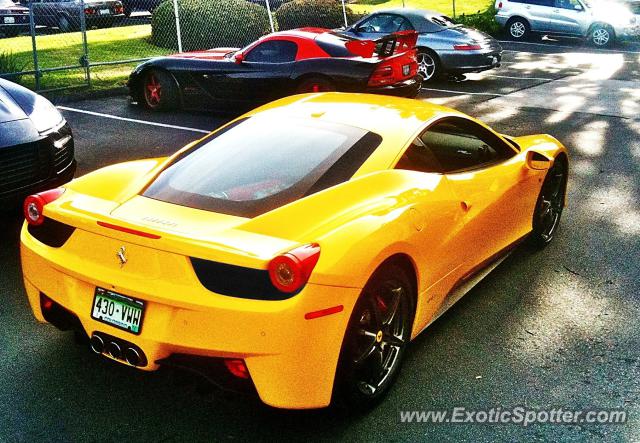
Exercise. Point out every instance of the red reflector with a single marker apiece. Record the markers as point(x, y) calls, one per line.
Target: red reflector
point(500, 5)
point(323, 312)
point(467, 47)
point(237, 367)
point(128, 230)
point(46, 303)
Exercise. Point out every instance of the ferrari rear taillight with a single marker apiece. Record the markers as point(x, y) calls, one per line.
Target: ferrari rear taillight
point(118, 8)
point(290, 272)
point(467, 47)
point(89, 11)
point(500, 5)
point(34, 205)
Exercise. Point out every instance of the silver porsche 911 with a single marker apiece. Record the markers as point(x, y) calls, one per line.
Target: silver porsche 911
point(443, 46)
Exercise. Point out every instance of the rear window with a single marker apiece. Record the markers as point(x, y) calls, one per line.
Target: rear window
point(334, 44)
point(258, 164)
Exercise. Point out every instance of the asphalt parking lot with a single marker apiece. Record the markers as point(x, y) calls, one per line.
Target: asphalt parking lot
point(552, 328)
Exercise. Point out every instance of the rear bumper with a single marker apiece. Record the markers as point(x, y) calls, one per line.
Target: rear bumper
point(20, 27)
point(291, 360)
point(407, 88)
point(470, 61)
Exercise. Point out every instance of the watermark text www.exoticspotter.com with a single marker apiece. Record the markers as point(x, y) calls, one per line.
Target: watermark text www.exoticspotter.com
point(518, 415)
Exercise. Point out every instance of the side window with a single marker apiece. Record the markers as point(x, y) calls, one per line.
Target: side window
point(381, 23)
point(548, 3)
point(273, 51)
point(419, 157)
point(573, 5)
point(454, 144)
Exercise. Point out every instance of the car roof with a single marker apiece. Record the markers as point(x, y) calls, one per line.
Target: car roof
point(385, 115)
point(397, 120)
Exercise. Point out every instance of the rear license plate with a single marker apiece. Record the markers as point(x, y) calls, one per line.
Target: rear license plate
point(117, 310)
point(406, 69)
point(105, 12)
point(9, 20)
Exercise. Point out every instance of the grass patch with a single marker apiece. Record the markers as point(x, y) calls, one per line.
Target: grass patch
point(443, 6)
point(111, 44)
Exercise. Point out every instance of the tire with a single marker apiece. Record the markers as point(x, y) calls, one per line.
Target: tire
point(429, 66)
point(11, 32)
point(518, 29)
point(549, 205)
point(315, 84)
point(375, 341)
point(158, 91)
point(601, 36)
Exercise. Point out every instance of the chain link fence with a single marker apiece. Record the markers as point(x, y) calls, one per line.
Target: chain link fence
point(60, 44)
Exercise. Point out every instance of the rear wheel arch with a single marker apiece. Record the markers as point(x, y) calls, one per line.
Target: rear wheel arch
point(398, 267)
point(437, 68)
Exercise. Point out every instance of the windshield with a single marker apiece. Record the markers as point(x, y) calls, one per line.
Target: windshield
point(6, 3)
point(259, 164)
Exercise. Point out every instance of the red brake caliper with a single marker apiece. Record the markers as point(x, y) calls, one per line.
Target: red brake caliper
point(154, 89)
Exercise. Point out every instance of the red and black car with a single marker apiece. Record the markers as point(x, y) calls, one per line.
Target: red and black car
point(279, 64)
point(14, 19)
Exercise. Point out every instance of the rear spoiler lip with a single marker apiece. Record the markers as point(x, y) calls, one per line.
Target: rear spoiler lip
point(398, 42)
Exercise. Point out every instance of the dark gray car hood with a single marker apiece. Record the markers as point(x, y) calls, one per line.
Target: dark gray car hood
point(9, 110)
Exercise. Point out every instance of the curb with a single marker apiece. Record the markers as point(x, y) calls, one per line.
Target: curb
point(64, 97)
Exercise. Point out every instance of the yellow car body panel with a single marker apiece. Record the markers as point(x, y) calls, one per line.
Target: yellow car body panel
point(444, 225)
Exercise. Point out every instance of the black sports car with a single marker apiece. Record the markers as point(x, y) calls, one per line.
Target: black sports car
point(279, 64)
point(36, 144)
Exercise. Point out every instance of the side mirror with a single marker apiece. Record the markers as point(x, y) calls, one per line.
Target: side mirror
point(537, 161)
point(239, 57)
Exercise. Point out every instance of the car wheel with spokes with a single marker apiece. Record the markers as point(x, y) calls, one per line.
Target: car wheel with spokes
point(601, 36)
point(428, 65)
point(377, 336)
point(159, 90)
point(546, 217)
point(518, 29)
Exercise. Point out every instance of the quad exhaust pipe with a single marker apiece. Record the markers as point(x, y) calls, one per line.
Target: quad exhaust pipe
point(118, 349)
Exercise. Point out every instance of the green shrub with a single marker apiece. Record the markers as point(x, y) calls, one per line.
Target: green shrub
point(9, 64)
point(209, 24)
point(321, 13)
point(482, 20)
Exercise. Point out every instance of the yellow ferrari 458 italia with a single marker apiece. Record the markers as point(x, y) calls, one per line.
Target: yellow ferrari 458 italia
point(299, 248)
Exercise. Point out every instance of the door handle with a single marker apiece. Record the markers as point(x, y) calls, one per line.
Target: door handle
point(465, 205)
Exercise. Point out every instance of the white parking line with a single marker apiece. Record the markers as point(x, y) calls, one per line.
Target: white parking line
point(547, 45)
point(463, 92)
point(521, 78)
point(132, 120)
